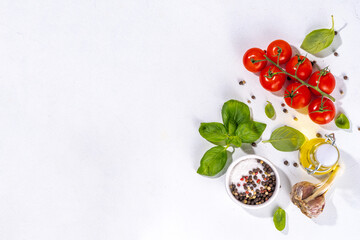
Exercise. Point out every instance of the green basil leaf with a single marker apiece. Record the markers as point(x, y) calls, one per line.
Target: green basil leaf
point(279, 219)
point(318, 39)
point(213, 132)
point(213, 161)
point(235, 141)
point(233, 113)
point(342, 121)
point(250, 131)
point(232, 127)
point(286, 139)
point(269, 110)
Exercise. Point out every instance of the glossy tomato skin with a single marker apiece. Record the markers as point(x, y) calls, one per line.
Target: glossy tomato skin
point(304, 70)
point(326, 82)
point(296, 96)
point(254, 54)
point(327, 107)
point(272, 79)
point(274, 48)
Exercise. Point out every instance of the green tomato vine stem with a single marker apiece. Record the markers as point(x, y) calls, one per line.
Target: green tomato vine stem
point(301, 81)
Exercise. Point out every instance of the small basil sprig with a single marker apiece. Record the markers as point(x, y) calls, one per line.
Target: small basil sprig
point(342, 121)
point(238, 128)
point(319, 39)
point(286, 139)
point(279, 219)
point(269, 110)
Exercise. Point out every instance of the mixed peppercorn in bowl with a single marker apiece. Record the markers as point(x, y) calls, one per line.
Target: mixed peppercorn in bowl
point(252, 181)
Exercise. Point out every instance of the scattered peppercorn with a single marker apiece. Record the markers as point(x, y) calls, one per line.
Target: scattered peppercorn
point(286, 162)
point(283, 104)
point(248, 101)
point(336, 32)
point(318, 135)
point(253, 144)
point(253, 97)
point(341, 92)
point(295, 164)
point(285, 110)
point(358, 128)
point(336, 54)
point(313, 62)
point(345, 77)
point(295, 118)
point(242, 82)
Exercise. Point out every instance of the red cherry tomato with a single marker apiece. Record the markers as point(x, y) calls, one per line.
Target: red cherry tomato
point(251, 57)
point(272, 79)
point(297, 95)
point(322, 110)
point(325, 80)
point(279, 48)
point(303, 66)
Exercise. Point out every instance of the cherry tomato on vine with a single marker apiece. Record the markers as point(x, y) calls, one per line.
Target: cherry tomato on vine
point(303, 66)
point(272, 79)
point(322, 110)
point(297, 95)
point(281, 49)
point(254, 60)
point(325, 80)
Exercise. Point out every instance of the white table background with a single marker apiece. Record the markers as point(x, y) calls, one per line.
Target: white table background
point(100, 104)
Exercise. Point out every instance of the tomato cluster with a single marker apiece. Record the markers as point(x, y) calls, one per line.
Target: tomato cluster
point(277, 62)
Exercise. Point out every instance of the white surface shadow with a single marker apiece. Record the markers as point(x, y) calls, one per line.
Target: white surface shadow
point(347, 183)
point(349, 192)
point(331, 49)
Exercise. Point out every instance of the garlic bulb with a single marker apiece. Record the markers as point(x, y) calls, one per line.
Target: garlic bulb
point(310, 198)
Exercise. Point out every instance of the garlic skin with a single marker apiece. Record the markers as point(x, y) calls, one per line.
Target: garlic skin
point(310, 198)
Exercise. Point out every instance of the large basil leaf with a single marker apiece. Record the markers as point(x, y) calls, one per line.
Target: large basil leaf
point(235, 141)
point(250, 131)
point(269, 110)
point(286, 139)
point(232, 127)
point(319, 39)
point(213, 132)
point(233, 113)
point(342, 121)
point(213, 161)
point(279, 219)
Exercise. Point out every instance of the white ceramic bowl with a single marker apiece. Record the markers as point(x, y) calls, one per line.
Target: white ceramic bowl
point(234, 165)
